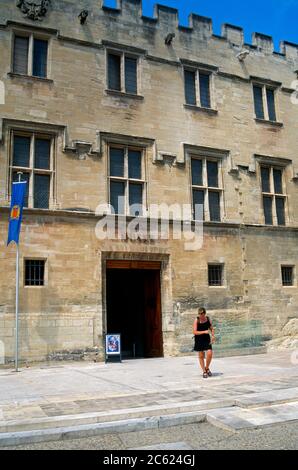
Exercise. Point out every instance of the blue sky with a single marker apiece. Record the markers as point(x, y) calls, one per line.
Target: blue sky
point(278, 18)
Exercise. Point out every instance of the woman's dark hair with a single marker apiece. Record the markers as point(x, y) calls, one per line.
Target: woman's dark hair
point(202, 310)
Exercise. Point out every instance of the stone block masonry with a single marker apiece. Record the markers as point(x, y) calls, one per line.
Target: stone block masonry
point(74, 107)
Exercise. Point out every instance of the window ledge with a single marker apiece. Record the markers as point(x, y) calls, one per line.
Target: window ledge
point(30, 77)
point(124, 95)
point(34, 287)
point(272, 123)
point(193, 107)
point(217, 287)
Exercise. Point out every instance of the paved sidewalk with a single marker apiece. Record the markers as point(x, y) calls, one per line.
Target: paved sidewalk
point(43, 402)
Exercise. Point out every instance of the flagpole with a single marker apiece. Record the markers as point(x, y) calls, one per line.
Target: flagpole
point(17, 299)
point(17, 311)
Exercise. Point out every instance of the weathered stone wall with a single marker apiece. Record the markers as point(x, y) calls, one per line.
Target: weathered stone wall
point(68, 314)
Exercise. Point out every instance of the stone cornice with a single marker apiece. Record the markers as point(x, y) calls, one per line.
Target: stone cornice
point(31, 27)
point(198, 65)
point(64, 213)
point(122, 47)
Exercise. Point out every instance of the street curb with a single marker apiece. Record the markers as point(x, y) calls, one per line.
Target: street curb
point(77, 432)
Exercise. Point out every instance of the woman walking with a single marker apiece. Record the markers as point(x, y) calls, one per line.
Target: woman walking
point(203, 342)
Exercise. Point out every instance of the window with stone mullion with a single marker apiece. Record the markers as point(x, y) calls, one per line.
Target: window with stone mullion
point(126, 180)
point(30, 56)
point(273, 195)
point(32, 156)
point(205, 189)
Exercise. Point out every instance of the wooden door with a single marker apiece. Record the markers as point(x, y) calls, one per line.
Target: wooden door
point(153, 322)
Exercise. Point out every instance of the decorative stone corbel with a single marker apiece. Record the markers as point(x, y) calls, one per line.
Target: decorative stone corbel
point(167, 158)
point(34, 10)
point(82, 149)
point(234, 171)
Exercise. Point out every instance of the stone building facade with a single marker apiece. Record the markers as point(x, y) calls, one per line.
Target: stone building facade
point(192, 107)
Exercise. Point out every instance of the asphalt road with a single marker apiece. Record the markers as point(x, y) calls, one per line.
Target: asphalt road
point(201, 436)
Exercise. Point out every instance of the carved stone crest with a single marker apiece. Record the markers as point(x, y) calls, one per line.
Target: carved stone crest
point(34, 10)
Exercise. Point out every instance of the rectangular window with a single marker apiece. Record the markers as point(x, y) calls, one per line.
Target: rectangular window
point(204, 80)
point(264, 102)
point(30, 56)
point(131, 75)
point(42, 154)
point(273, 195)
point(259, 107)
point(267, 201)
point(190, 87)
point(114, 72)
point(277, 175)
point(265, 175)
point(271, 104)
point(32, 155)
point(135, 164)
point(197, 172)
point(20, 55)
point(206, 189)
point(122, 73)
point(280, 210)
point(135, 199)
point(41, 191)
point(126, 180)
point(197, 88)
point(198, 201)
point(214, 206)
point(116, 162)
point(287, 273)
point(117, 195)
point(34, 272)
point(21, 151)
point(40, 58)
point(215, 274)
point(212, 173)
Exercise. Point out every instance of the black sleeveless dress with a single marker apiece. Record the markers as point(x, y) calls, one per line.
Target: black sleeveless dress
point(203, 342)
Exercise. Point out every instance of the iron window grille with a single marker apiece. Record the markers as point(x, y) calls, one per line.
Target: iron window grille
point(215, 274)
point(287, 273)
point(206, 188)
point(197, 86)
point(34, 272)
point(264, 102)
point(122, 72)
point(274, 198)
point(32, 154)
point(30, 55)
point(127, 180)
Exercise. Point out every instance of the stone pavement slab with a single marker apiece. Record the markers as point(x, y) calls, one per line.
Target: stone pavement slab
point(75, 394)
point(268, 398)
point(235, 418)
point(167, 446)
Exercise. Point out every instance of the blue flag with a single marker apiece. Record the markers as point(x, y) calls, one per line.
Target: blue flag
point(16, 211)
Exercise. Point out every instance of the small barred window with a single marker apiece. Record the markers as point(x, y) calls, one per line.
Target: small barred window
point(287, 273)
point(34, 272)
point(215, 274)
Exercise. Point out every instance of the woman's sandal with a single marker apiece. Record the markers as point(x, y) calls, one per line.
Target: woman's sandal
point(208, 372)
point(205, 375)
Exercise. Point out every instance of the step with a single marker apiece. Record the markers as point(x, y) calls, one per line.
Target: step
point(113, 415)
point(274, 397)
point(235, 418)
point(88, 430)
